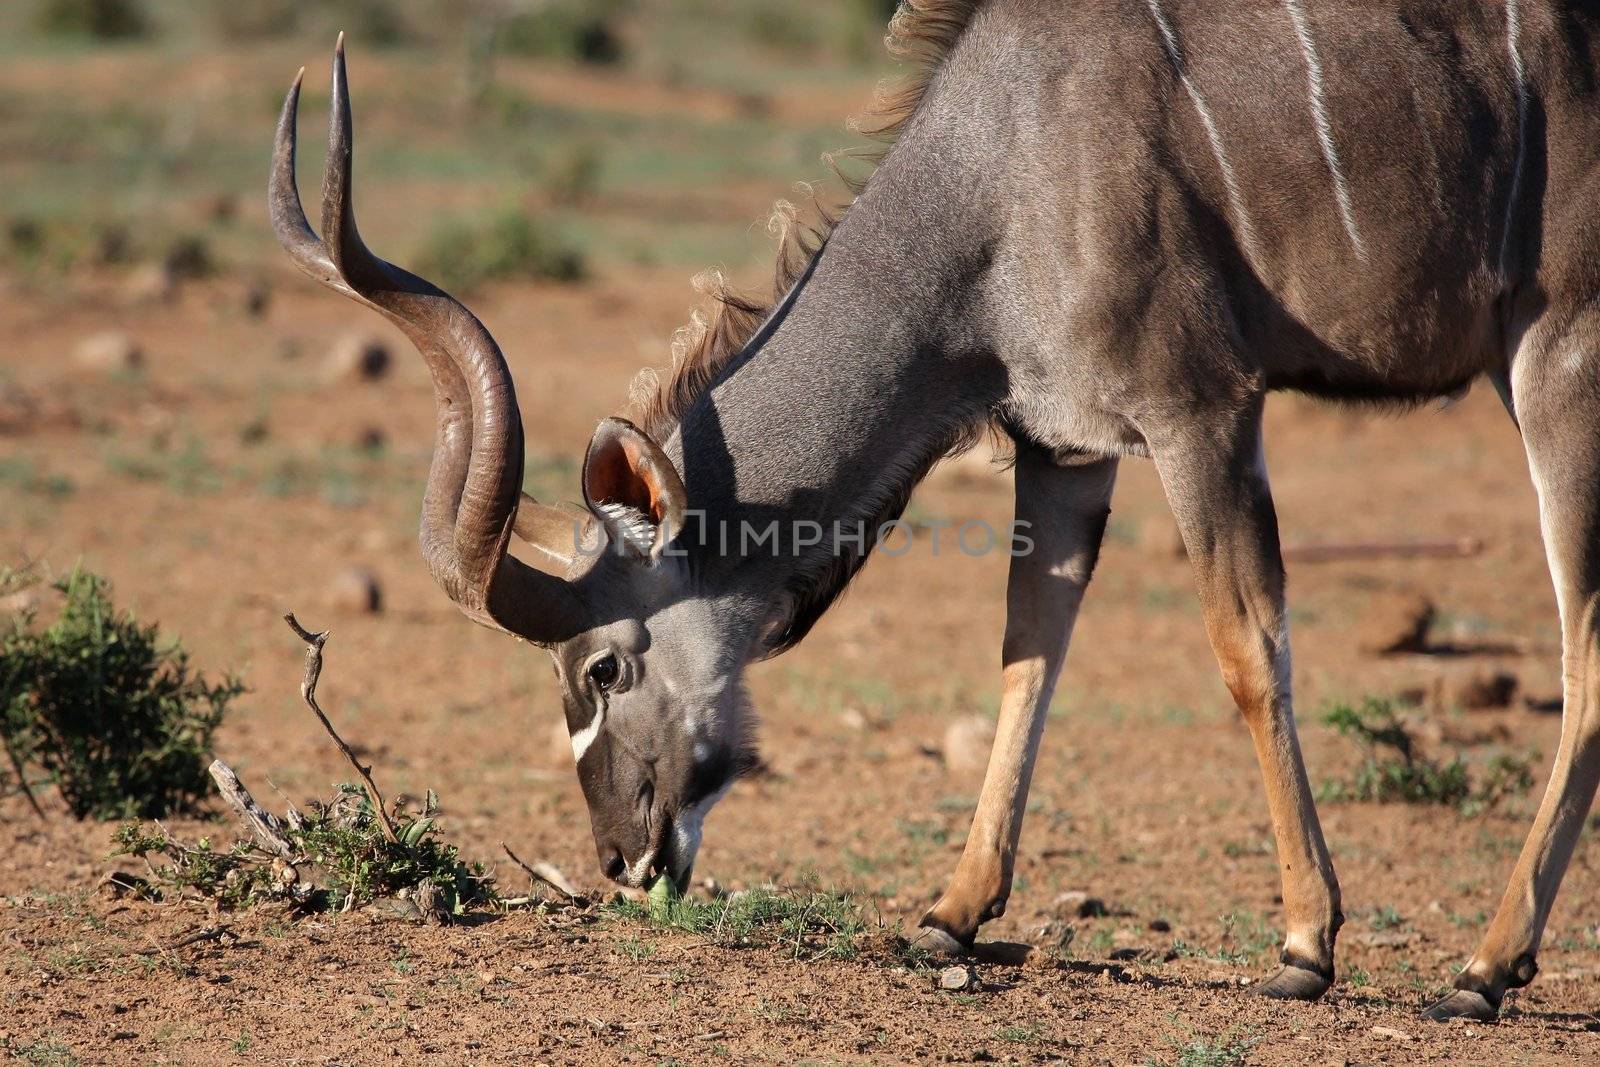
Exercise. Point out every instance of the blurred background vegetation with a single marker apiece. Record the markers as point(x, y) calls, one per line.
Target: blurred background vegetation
point(495, 138)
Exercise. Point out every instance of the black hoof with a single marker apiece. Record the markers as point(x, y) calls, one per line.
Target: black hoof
point(1292, 983)
point(1462, 1004)
point(937, 942)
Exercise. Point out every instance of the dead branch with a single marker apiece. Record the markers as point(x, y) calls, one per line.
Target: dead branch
point(22, 781)
point(1457, 548)
point(549, 874)
point(260, 820)
point(205, 933)
point(308, 691)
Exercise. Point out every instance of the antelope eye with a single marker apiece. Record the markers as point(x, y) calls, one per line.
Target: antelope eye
point(603, 672)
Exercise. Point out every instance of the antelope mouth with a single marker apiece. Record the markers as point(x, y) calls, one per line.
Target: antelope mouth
point(677, 854)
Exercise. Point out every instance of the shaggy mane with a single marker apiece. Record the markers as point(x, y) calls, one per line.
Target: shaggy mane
point(921, 33)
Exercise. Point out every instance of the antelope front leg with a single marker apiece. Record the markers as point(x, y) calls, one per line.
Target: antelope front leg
point(1064, 509)
point(1215, 478)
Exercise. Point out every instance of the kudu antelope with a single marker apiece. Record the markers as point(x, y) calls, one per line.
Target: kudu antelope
point(1110, 229)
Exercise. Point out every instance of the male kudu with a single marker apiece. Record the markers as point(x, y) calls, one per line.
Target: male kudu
point(1111, 229)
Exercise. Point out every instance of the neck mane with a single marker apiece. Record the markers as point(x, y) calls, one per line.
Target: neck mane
point(921, 34)
point(822, 409)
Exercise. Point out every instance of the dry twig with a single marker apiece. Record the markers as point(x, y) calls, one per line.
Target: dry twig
point(1327, 552)
point(549, 874)
point(259, 819)
point(308, 691)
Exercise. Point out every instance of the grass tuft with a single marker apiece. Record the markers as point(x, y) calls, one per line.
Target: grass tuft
point(807, 921)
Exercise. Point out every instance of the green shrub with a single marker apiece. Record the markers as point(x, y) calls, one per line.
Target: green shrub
point(1395, 771)
point(460, 255)
point(579, 32)
point(258, 20)
point(115, 718)
point(105, 20)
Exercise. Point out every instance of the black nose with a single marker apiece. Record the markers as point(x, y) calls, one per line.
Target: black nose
point(611, 862)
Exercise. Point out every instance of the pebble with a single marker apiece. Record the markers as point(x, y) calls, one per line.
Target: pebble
point(357, 357)
point(1075, 903)
point(1474, 689)
point(967, 742)
point(152, 283)
point(110, 350)
point(958, 979)
point(1395, 622)
point(1391, 1033)
point(356, 589)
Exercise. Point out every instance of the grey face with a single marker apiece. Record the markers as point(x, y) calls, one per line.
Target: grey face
point(657, 714)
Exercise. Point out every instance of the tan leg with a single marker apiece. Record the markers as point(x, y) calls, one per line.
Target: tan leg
point(1065, 508)
point(1216, 481)
point(1554, 407)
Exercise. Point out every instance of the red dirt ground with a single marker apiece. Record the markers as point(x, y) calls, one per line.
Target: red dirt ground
point(1146, 796)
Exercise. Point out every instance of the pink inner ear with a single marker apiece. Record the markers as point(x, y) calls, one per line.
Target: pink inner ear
point(621, 474)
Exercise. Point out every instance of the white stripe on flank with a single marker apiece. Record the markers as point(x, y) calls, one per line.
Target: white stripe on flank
point(1229, 180)
point(1513, 39)
point(1319, 116)
point(585, 737)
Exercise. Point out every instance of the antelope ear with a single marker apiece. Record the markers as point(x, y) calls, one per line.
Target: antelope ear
point(559, 535)
point(632, 487)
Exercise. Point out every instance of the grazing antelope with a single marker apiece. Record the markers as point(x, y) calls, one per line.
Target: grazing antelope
point(1110, 229)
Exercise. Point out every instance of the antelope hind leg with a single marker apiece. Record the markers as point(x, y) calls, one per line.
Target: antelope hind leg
point(1550, 383)
point(1065, 510)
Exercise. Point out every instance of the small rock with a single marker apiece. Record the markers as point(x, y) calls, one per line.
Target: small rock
point(152, 283)
point(958, 979)
point(854, 719)
point(111, 350)
point(356, 589)
point(357, 357)
point(1053, 933)
point(1079, 905)
point(1391, 1033)
point(1161, 926)
point(1476, 689)
point(1395, 622)
point(967, 742)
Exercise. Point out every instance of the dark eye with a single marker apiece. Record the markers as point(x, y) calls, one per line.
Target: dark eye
point(603, 672)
